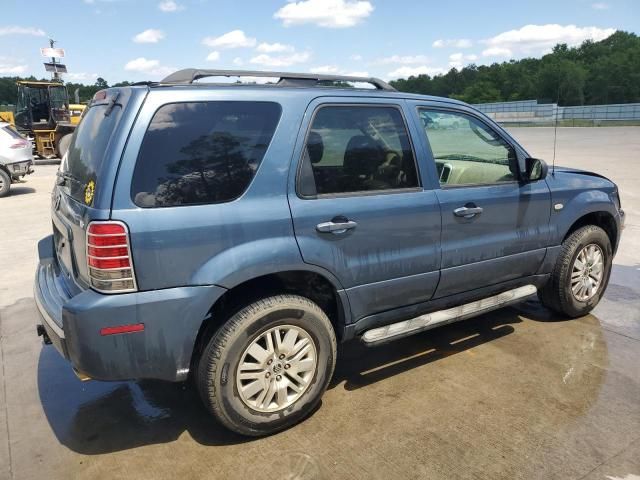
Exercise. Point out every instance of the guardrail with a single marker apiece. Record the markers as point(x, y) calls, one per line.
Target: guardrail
point(530, 112)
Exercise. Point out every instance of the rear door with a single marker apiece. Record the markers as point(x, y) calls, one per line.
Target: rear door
point(495, 227)
point(359, 206)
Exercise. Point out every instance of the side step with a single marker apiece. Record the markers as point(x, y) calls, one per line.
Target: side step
point(428, 321)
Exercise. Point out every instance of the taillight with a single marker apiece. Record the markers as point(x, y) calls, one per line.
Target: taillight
point(19, 144)
point(109, 257)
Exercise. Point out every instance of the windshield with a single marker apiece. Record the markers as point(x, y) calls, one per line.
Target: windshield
point(84, 159)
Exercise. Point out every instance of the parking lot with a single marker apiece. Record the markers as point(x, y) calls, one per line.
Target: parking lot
point(516, 393)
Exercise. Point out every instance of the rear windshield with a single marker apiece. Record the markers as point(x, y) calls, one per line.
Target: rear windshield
point(202, 152)
point(88, 145)
point(12, 133)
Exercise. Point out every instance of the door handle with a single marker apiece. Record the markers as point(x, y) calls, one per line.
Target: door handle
point(467, 212)
point(336, 227)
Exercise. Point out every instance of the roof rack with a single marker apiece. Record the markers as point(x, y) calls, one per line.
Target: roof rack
point(287, 79)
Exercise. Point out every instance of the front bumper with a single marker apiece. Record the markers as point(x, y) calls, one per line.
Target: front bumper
point(172, 319)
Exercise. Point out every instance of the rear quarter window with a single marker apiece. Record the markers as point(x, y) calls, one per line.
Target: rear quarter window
point(202, 152)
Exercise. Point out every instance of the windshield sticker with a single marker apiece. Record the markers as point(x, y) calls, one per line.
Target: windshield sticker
point(89, 191)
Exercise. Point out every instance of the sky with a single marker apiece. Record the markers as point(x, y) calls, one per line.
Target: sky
point(148, 39)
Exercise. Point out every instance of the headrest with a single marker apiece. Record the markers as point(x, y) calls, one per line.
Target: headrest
point(315, 147)
point(363, 156)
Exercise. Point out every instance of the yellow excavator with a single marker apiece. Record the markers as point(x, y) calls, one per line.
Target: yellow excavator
point(43, 114)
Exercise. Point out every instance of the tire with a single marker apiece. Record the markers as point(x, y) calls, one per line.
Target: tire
point(557, 294)
point(217, 375)
point(5, 183)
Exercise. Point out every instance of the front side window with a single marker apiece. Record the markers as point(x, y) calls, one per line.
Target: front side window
point(353, 149)
point(202, 152)
point(466, 151)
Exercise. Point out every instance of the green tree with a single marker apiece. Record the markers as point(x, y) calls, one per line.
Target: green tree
point(593, 73)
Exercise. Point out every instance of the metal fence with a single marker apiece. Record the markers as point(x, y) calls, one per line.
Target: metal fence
point(530, 112)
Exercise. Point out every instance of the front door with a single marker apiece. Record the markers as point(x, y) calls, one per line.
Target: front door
point(495, 227)
point(359, 208)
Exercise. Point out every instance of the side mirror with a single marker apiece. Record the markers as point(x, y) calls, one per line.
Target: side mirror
point(535, 169)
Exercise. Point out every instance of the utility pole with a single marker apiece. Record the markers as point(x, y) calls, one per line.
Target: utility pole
point(54, 66)
point(56, 75)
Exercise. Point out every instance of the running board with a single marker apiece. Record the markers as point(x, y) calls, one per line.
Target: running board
point(428, 321)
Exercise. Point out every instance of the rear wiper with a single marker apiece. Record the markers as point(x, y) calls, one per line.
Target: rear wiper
point(112, 103)
point(62, 177)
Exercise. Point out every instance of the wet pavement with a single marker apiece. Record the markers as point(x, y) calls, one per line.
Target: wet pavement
point(517, 393)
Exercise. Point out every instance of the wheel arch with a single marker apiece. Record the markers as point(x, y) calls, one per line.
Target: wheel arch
point(602, 219)
point(319, 287)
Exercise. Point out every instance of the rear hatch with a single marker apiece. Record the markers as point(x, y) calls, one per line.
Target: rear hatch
point(84, 182)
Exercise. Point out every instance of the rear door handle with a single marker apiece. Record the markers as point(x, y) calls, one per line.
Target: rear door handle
point(467, 212)
point(336, 227)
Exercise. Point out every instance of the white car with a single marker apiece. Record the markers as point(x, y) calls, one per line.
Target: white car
point(16, 157)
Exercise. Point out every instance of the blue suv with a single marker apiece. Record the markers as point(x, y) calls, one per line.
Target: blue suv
point(235, 233)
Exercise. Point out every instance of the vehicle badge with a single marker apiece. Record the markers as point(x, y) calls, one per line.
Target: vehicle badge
point(89, 191)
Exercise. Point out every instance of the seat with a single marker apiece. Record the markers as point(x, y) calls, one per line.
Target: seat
point(47, 143)
point(315, 147)
point(362, 158)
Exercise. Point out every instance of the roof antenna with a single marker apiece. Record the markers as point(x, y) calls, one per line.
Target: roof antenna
point(555, 134)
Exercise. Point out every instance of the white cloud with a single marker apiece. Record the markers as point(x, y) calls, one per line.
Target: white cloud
point(536, 39)
point(356, 74)
point(274, 48)
point(600, 6)
point(238, 61)
point(213, 56)
point(141, 64)
point(81, 77)
point(169, 6)
point(8, 67)
point(282, 60)
point(148, 66)
point(151, 35)
point(405, 72)
point(453, 42)
point(325, 13)
point(457, 60)
point(325, 69)
point(335, 70)
point(403, 60)
point(18, 30)
point(497, 52)
point(232, 39)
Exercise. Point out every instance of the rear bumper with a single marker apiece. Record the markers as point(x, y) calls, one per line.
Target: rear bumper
point(19, 168)
point(172, 319)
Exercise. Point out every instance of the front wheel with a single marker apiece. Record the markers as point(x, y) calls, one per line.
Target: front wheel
point(581, 273)
point(266, 368)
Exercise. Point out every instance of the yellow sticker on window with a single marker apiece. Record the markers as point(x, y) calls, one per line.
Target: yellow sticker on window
point(89, 191)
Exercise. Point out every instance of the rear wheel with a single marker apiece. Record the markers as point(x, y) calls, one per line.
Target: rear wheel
point(5, 183)
point(266, 368)
point(581, 273)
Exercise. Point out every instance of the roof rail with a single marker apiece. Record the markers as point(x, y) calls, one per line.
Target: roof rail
point(287, 79)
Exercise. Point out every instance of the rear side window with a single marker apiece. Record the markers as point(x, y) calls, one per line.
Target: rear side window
point(202, 152)
point(353, 149)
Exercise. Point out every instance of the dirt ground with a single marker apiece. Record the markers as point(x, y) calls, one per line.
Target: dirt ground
point(516, 393)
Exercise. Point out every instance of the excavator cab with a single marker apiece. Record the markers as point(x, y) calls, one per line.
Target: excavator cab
point(42, 114)
point(41, 105)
